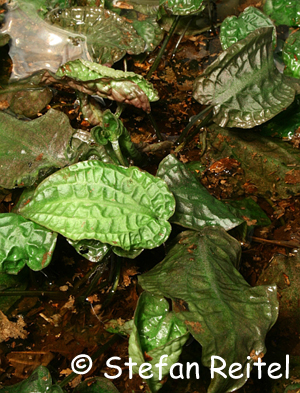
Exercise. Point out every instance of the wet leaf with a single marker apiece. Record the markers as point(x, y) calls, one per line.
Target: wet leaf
point(29, 149)
point(234, 29)
point(96, 385)
point(109, 36)
point(92, 78)
point(124, 207)
point(182, 7)
point(283, 12)
point(127, 254)
point(93, 250)
point(40, 381)
point(271, 166)
point(24, 242)
point(195, 207)
point(200, 275)
point(156, 332)
point(243, 84)
point(291, 54)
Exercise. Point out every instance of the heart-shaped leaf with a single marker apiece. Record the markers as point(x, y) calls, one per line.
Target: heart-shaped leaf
point(283, 12)
point(234, 29)
point(156, 332)
point(195, 207)
point(24, 242)
point(182, 7)
point(243, 84)
point(221, 310)
point(109, 36)
point(291, 54)
point(124, 207)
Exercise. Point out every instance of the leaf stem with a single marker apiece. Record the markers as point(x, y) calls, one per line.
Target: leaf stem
point(163, 47)
point(117, 150)
point(156, 129)
point(115, 282)
point(59, 295)
point(181, 36)
point(193, 121)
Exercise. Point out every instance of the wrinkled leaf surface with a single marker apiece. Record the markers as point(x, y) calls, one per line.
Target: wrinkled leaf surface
point(182, 7)
point(93, 250)
point(124, 207)
point(221, 310)
point(283, 12)
point(156, 332)
point(195, 207)
point(234, 29)
point(24, 242)
point(291, 54)
point(243, 84)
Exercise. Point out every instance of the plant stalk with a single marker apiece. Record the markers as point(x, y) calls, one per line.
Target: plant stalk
point(193, 121)
point(163, 47)
point(156, 129)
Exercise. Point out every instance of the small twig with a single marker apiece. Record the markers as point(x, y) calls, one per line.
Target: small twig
point(163, 47)
point(160, 146)
point(283, 243)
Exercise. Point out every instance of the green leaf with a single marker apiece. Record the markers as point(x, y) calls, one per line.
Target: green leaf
point(30, 149)
point(147, 28)
point(283, 12)
point(250, 211)
point(156, 332)
point(109, 36)
point(271, 167)
point(243, 84)
point(93, 250)
point(127, 254)
point(182, 7)
point(40, 381)
point(106, 82)
point(284, 124)
point(195, 207)
point(124, 207)
point(234, 29)
point(96, 385)
point(291, 54)
point(221, 310)
point(24, 242)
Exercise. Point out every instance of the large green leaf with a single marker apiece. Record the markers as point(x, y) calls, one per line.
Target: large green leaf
point(250, 211)
point(124, 207)
point(243, 84)
point(271, 167)
point(156, 332)
point(291, 54)
point(24, 242)
point(92, 78)
point(195, 207)
point(234, 29)
point(109, 36)
point(182, 7)
point(96, 385)
point(221, 310)
point(283, 12)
